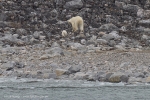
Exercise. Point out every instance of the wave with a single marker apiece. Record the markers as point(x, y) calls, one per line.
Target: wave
point(14, 83)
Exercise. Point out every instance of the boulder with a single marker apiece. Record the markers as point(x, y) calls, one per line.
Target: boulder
point(74, 4)
point(118, 77)
point(60, 72)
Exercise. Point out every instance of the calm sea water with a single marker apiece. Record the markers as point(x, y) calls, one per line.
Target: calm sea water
point(29, 89)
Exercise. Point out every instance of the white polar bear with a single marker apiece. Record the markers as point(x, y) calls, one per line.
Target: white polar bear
point(77, 23)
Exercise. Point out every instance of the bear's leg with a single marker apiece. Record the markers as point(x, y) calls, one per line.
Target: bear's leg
point(81, 28)
point(75, 27)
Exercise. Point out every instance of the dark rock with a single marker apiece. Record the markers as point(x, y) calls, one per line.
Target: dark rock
point(19, 65)
point(124, 78)
point(3, 16)
point(8, 69)
point(74, 69)
point(1, 72)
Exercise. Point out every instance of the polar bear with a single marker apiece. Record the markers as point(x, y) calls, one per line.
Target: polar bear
point(77, 23)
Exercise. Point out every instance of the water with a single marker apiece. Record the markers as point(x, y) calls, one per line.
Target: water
point(29, 89)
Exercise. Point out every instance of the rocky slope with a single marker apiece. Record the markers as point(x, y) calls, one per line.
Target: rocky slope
point(30, 21)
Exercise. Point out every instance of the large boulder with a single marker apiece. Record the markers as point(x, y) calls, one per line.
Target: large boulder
point(118, 77)
point(74, 4)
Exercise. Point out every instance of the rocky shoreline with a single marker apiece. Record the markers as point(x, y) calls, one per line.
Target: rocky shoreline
point(113, 48)
point(41, 62)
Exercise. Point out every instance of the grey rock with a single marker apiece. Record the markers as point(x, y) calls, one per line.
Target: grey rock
point(119, 4)
point(54, 13)
point(56, 51)
point(109, 27)
point(145, 22)
point(102, 41)
point(145, 37)
point(139, 74)
point(74, 69)
point(19, 65)
point(76, 46)
point(80, 76)
point(74, 4)
point(36, 34)
point(21, 31)
point(55, 44)
point(111, 36)
point(26, 39)
point(10, 39)
point(132, 8)
point(83, 41)
point(36, 4)
point(7, 65)
point(52, 75)
point(112, 43)
point(16, 35)
point(108, 37)
point(140, 13)
point(120, 47)
point(99, 76)
point(115, 35)
point(124, 78)
point(34, 41)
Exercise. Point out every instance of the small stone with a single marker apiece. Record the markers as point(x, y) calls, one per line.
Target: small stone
point(36, 34)
point(43, 57)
